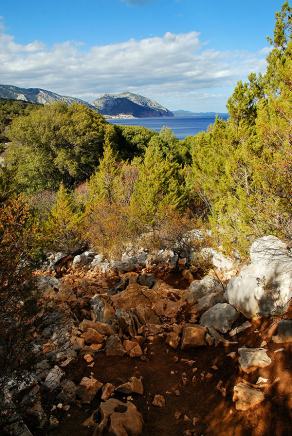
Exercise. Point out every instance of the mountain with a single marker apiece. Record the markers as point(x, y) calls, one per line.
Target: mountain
point(130, 104)
point(37, 95)
point(189, 114)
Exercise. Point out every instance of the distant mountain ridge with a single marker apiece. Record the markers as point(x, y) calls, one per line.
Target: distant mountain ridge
point(123, 105)
point(130, 104)
point(37, 95)
point(183, 113)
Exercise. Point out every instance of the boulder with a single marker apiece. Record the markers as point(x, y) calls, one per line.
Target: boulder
point(252, 358)
point(218, 260)
point(201, 288)
point(246, 396)
point(264, 287)
point(220, 317)
point(206, 293)
point(193, 336)
point(119, 419)
point(204, 303)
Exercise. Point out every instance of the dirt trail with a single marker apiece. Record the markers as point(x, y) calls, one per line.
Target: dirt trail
point(198, 400)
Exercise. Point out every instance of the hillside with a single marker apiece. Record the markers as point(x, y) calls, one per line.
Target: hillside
point(37, 95)
point(128, 103)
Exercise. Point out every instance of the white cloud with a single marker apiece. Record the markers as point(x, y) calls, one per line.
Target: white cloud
point(176, 69)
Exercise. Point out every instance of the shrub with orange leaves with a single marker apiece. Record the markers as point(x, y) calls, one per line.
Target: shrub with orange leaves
point(17, 244)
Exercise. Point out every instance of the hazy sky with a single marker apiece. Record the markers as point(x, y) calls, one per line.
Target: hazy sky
point(187, 54)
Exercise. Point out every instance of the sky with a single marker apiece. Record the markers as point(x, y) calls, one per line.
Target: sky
point(186, 54)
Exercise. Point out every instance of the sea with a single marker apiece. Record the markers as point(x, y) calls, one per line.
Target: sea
point(181, 126)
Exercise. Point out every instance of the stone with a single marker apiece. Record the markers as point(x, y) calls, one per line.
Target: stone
point(284, 332)
point(88, 388)
point(77, 343)
point(158, 401)
point(100, 327)
point(102, 310)
point(107, 391)
point(83, 259)
point(133, 386)
point(206, 286)
point(96, 347)
point(246, 325)
point(204, 303)
point(252, 358)
point(132, 348)
point(173, 340)
point(54, 422)
point(114, 346)
point(246, 396)
point(54, 377)
point(119, 419)
point(91, 336)
point(68, 393)
point(193, 336)
point(218, 260)
point(264, 287)
point(164, 257)
point(48, 282)
point(220, 317)
point(88, 358)
point(146, 280)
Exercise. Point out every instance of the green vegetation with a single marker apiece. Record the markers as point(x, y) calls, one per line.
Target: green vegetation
point(118, 183)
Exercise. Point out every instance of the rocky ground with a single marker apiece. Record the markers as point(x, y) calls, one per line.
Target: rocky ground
point(150, 346)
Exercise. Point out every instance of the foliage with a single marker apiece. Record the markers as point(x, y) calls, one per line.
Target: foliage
point(55, 143)
point(18, 244)
point(159, 183)
point(10, 109)
point(62, 227)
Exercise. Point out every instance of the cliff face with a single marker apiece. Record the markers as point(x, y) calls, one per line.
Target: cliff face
point(130, 104)
point(37, 95)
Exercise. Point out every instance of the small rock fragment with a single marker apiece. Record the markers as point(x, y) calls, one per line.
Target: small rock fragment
point(88, 388)
point(252, 358)
point(133, 386)
point(193, 336)
point(158, 401)
point(107, 391)
point(114, 346)
point(54, 377)
point(246, 396)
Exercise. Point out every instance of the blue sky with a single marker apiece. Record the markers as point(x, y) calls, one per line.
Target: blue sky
point(187, 54)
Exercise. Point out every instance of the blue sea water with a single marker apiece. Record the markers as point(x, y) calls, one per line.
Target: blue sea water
point(181, 126)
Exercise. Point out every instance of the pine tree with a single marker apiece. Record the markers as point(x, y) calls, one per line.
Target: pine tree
point(159, 183)
point(62, 226)
point(103, 184)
